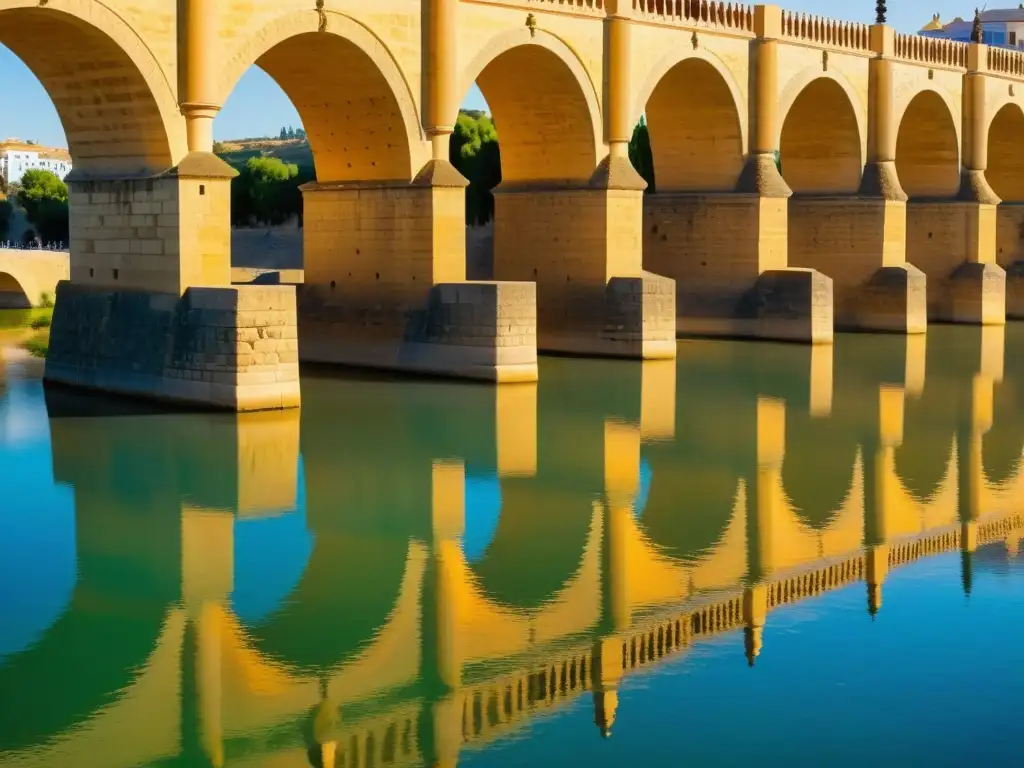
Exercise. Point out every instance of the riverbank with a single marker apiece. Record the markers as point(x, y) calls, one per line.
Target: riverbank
point(27, 330)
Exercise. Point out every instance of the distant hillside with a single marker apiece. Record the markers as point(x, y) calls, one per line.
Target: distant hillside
point(236, 151)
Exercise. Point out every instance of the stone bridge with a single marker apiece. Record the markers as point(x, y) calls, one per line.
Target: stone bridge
point(28, 278)
point(897, 199)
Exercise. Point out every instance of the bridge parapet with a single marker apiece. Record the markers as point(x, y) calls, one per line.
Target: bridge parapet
point(726, 17)
point(918, 49)
point(566, 7)
point(822, 32)
point(1003, 61)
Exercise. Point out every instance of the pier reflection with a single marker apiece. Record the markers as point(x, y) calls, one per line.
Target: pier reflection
point(402, 574)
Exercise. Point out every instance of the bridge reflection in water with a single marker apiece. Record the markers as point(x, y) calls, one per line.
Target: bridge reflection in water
point(432, 565)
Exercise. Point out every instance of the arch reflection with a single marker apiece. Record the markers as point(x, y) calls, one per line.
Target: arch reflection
point(455, 560)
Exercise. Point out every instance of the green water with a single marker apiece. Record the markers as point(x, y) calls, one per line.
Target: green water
point(759, 554)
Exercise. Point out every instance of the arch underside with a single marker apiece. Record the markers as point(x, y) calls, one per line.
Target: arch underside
point(350, 587)
point(539, 543)
point(111, 118)
point(927, 149)
point(542, 116)
point(13, 294)
point(1005, 172)
point(818, 467)
point(351, 115)
point(81, 664)
point(695, 130)
point(689, 506)
point(820, 145)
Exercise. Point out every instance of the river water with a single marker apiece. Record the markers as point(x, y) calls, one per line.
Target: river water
point(758, 553)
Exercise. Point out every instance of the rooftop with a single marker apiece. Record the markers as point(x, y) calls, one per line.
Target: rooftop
point(48, 153)
point(994, 16)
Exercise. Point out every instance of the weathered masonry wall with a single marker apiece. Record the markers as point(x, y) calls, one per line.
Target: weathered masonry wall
point(234, 348)
point(384, 271)
point(159, 234)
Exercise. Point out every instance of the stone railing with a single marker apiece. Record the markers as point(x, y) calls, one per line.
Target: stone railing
point(573, 7)
point(825, 33)
point(911, 550)
point(931, 50)
point(990, 531)
point(1003, 61)
point(816, 581)
point(715, 14)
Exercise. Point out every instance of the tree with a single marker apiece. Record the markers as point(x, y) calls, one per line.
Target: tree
point(218, 148)
point(45, 199)
point(474, 152)
point(267, 191)
point(640, 154)
point(284, 133)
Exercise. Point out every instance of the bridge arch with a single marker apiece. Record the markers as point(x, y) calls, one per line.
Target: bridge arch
point(15, 293)
point(349, 588)
point(553, 526)
point(116, 104)
point(817, 482)
point(928, 147)
point(698, 143)
point(545, 107)
point(822, 139)
point(1005, 163)
point(355, 104)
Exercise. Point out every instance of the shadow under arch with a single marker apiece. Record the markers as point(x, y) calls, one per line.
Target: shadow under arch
point(697, 136)
point(922, 463)
point(818, 468)
point(690, 503)
point(13, 295)
point(118, 110)
point(1005, 171)
point(544, 105)
point(1002, 447)
point(538, 545)
point(355, 105)
point(350, 587)
point(79, 665)
point(821, 140)
point(928, 148)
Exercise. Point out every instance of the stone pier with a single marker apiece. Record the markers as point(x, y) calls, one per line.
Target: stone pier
point(385, 285)
point(861, 244)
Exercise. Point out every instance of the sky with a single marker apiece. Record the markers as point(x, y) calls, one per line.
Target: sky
point(258, 107)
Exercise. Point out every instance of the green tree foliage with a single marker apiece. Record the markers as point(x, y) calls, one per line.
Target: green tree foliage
point(266, 191)
point(45, 199)
point(640, 154)
point(474, 152)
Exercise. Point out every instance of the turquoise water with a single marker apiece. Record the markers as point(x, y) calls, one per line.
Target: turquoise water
point(760, 552)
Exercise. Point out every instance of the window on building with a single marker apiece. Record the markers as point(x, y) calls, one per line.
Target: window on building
point(1013, 39)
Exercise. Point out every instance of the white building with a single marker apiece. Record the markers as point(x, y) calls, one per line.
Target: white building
point(1000, 27)
point(16, 157)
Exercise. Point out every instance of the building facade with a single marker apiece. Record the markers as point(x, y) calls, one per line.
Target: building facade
point(1003, 28)
point(16, 157)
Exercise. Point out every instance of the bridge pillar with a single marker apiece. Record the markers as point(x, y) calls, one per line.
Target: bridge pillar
point(150, 310)
point(581, 243)
point(727, 251)
point(881, 490)
point(763, 498)
point(860, 242)
point(954, 241)
point(1010, 254)
point(207, 580)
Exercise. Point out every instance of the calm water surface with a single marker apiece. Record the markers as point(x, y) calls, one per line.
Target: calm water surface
point(760, 553)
